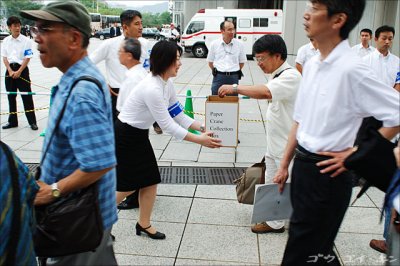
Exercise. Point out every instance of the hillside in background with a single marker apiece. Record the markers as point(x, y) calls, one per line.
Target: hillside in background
point(156, 8)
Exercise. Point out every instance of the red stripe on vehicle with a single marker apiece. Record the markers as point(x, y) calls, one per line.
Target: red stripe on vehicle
point(218, 32)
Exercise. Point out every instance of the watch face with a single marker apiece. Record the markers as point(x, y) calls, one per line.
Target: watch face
point(56, 193)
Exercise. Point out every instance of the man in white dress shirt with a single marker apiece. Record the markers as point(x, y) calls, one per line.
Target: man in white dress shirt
point(337, 91)
point(280, 91)
point(16, 51)
point(364, 48)
point(305, 53)
point(129, 56)
point(386, 66)
point(131, 21)
point(226, 58)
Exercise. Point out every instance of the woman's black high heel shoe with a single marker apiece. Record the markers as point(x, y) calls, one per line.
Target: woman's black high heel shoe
point(140, 229)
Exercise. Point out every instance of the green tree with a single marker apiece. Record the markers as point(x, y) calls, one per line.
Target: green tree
point(13, 8)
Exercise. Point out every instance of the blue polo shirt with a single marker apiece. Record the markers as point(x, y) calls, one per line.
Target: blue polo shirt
point(85, 138)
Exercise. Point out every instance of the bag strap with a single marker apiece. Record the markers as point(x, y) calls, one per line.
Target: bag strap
point(87, 78)
point(277, 75)
point(16, 213)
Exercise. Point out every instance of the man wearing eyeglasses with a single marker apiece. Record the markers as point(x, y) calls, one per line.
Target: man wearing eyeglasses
point(82, 149)
point(280, 91)
point(226, 58)
point(17, 52)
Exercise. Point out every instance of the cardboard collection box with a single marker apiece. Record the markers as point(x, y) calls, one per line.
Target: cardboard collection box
point(222, 115)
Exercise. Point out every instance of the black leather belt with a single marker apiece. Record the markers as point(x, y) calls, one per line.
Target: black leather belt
point(307, 156)
point(14, 65)
point(229, 73)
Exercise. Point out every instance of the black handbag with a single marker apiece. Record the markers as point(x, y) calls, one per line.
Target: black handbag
point(374, 159)
point(72, 224)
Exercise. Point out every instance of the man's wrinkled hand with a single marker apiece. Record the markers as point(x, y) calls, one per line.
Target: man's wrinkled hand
point(44, 195)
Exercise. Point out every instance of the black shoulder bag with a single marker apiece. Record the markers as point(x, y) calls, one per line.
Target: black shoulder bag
point(16, 213)
point(72, 224)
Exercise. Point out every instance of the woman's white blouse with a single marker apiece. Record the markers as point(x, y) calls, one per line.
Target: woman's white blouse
point(149, 101)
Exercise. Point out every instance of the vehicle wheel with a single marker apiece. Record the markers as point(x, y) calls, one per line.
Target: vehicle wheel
point(101, 37)
point(199, 51)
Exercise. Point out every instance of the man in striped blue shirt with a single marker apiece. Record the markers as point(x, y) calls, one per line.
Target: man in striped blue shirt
point(82, 150)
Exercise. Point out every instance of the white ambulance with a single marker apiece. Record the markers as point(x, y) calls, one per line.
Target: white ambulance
point(251, 24)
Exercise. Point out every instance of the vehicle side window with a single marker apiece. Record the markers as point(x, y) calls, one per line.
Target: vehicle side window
point(195, 26)
point(260, 22)
point(244, 23)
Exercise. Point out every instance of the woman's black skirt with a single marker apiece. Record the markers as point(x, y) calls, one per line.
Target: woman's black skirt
point(136, 163)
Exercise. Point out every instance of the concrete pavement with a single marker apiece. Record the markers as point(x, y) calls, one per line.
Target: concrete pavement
point(204, 224)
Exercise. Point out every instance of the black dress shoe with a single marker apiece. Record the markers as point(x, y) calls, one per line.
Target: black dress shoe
point(127, 206)
point(34, 127)
point(156, 235)
point(131, 202)
point(8, 125)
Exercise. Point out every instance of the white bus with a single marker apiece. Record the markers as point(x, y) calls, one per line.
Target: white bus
point(95, 21)
point(251, 24)
point(109, 20)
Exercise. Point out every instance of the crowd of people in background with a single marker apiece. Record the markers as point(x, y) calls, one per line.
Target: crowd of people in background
point(315, 110)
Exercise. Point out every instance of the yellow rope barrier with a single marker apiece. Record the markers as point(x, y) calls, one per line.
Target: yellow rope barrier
point(27, 111)
point(30, 82)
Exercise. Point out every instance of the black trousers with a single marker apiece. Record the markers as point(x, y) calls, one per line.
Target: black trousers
point(221, 79)
point(23, 85)
point(114, 103)
point(319, 204)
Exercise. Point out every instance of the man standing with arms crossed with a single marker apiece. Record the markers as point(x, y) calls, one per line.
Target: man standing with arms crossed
point(337, 91)
point(17, 52)
point(226, 58)
point(82, 149)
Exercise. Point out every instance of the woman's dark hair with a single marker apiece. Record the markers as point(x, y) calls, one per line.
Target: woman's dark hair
point(13, 20)
point(273, 44)
point(127, 16)
point(384, 28)
point(132, 46)
point(354, 10)
point(163, 55)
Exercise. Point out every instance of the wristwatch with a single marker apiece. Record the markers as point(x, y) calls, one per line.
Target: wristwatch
point(235, 88)
point(55, 192)
point(202, 128)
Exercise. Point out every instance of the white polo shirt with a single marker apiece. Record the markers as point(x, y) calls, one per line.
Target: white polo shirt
point(133, 76)
point(305, 53)
point(16, 49)
point(361, 51)
point(226, 57)
point(151, 100)
point(280, 108)
point(108, 51)
point(386, 67)
point(335, 95)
